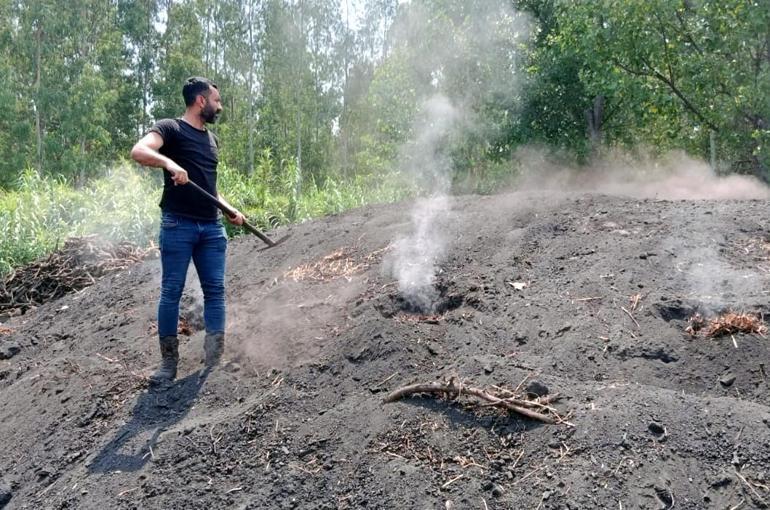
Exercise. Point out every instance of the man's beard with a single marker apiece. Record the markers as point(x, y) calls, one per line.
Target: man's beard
point(209, 114)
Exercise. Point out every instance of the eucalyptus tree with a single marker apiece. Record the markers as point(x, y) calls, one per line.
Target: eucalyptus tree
point(300, 86)
point(471, 53)
point(65, 69)
point(181, 56)
point(137, 20)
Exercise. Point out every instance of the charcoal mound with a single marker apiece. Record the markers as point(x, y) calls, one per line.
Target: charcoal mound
point(577, 302)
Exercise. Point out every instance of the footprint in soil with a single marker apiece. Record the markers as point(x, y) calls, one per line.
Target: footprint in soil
point(648, 353)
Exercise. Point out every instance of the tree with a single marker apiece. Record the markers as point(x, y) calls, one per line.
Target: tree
point(682, 71)
point(182, 56)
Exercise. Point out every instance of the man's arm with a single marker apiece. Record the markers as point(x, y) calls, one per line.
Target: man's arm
point(145, 152)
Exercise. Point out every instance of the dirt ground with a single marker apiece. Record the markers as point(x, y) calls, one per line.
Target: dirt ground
point(585, 295)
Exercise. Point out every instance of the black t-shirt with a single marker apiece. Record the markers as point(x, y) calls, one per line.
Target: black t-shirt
point(196, 151)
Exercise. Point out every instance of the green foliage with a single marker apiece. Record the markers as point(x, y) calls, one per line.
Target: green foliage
point(122, 205)
point(42, 212)
point(270, 203)
point(675, 71)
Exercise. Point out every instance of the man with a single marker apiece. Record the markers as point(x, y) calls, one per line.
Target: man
point(190, 226)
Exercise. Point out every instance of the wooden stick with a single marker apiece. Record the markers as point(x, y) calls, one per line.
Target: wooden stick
point(632, 317)
point(749, 486)
point(452, 481)
point(452, 389)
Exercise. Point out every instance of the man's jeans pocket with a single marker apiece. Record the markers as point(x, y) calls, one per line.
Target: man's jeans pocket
point(168, 221)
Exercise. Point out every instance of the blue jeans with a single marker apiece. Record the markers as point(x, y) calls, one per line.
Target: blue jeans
point(205, 242)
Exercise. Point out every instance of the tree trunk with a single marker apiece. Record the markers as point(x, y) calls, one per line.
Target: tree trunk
point(594, 123)
point(38, 115)
point(82, 170)
point(298, 178)
point(250, 92)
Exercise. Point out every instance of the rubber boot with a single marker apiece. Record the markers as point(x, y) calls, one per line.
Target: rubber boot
point(213, 346)
point(169, 352)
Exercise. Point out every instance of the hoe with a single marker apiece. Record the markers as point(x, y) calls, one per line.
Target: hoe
point(230, 212)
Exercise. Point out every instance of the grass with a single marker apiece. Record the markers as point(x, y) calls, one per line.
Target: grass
point(42, 212)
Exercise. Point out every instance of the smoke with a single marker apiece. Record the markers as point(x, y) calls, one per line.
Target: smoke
point(287, 323)
point(711, 280)
point(673, 176)
point(702, 255)
point(414, 259)
point(466, 54)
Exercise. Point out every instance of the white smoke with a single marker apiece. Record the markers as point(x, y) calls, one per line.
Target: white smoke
point(464, 59)
point(415, 257)
point(642, 174)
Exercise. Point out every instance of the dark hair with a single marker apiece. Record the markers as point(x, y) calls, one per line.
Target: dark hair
point(196, 86)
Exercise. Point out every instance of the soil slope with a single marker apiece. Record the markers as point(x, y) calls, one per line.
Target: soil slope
point(586, 296)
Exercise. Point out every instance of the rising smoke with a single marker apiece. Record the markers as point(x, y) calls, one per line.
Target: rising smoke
point(642, 174)
point(415, 257)
point(473, 38)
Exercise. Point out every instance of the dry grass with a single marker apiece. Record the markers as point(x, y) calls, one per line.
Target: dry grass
point(731, 323)
point(77, 265)
point(184, 328)
point(408, 317)
point(758, 248)
point(341, 263)
point(728, 323)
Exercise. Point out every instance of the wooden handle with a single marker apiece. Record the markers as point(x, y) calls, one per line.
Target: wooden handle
point(231, 213)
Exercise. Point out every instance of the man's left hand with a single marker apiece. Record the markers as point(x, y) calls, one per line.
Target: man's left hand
point(238, 219)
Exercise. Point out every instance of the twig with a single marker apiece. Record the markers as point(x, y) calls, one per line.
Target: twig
point(106, 358)
point(632, 317)
point(120, 494)
point(529, 474)
point(749, 486)
point(615, 471)
point(385, 380)
point(452, 481)
point(515, 462)
point(48, 488)
point(214, 440)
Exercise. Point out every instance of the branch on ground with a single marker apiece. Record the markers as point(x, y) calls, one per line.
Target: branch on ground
point(536, 409)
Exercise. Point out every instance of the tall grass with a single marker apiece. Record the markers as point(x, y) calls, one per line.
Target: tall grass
point(42, 212)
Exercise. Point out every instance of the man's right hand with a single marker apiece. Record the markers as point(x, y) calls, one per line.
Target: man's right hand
point(178, 174)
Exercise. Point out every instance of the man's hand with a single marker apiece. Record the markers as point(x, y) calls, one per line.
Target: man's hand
point(178, 174)
point(238, 219)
